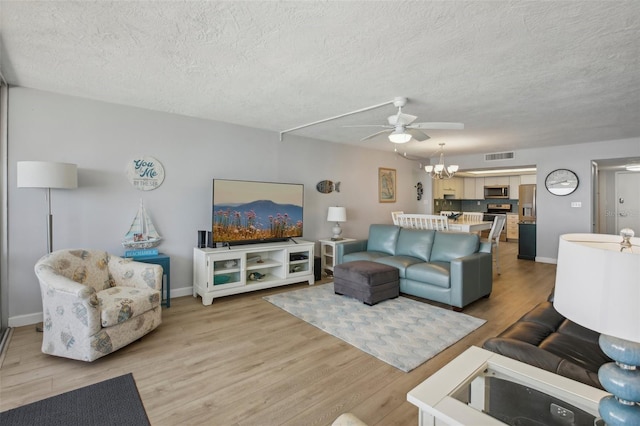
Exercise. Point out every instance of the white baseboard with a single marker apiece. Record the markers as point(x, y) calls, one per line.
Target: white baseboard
point(35, 318)
point(546, 260)
point(183, 291)
point(20, 320)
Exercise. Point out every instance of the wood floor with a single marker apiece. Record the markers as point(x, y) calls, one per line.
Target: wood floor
point(243, 361)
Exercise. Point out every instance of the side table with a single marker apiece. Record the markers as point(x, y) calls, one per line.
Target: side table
point(328, 254)
point(461, 393)
point(164, 261)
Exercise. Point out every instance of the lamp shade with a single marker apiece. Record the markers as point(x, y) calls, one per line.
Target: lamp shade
point(598, 285)
point(337, 214)
point(47, 174)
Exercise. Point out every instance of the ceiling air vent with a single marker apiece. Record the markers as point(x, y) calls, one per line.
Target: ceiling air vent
point(500, 156)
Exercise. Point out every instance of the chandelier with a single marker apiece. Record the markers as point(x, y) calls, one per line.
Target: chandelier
point(440, 171)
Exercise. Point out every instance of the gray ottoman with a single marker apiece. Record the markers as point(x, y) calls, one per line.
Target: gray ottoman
point(369, 282)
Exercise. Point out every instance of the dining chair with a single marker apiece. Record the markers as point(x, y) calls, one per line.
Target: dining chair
point(472, 216)
point(494, 237)
point(394, 216)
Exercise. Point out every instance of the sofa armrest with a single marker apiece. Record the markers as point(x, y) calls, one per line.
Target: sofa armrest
point(68, 305)
point(471, 278)
point(129, 273)
point(349, 247)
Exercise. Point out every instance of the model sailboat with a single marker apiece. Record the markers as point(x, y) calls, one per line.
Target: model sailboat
point(142, 234)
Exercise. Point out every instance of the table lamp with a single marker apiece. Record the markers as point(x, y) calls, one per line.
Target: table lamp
point(47, 175)
point(337, 215)
point(598, 287)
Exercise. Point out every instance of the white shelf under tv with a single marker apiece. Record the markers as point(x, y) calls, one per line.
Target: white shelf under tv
point(219, 272)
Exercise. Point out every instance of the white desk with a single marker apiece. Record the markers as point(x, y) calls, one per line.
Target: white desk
point(462, 225)
point(456, 394)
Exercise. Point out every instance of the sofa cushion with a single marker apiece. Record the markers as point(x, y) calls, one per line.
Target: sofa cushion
point(119, 304)
point(415, 243)
point(383, 238)
point(452, 245)
point(363, 255)
point(434, 273)
point(399, 262)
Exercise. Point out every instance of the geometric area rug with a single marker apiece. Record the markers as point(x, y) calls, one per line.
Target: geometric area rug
point(401, 332)
point(111, 402)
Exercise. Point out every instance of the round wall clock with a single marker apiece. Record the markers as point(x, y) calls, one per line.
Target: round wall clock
point(561, 182)
point(145, 173)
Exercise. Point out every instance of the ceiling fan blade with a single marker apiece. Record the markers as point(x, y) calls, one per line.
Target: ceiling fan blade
point(401, 118)
point(418, 135)
point(375, 134)
point(438, 126)
point(369, 125)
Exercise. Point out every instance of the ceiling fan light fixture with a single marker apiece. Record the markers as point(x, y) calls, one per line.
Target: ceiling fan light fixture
point(399, 136)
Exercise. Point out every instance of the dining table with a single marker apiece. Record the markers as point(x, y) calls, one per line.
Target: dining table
point(465, 225)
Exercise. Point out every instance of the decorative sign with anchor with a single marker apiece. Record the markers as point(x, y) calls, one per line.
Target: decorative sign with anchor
point(145, 173)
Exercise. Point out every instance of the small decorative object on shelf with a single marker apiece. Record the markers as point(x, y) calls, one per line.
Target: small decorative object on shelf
point(230, 263)
point(142, 234)
point(141, 252)
point(256, 276)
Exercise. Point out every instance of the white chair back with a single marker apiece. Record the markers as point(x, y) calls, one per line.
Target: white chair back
point(496, 228)
point(494, 238)
point(472, 216)
point(424, 221)
point(394, 217)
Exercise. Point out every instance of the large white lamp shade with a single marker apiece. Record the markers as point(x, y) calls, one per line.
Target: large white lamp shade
point(598, 287)
point(47, 175)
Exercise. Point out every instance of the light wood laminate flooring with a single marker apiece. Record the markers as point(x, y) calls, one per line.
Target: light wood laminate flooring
point(243, 361)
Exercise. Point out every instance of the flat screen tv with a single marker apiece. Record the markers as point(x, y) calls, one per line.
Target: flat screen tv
point(246, 212)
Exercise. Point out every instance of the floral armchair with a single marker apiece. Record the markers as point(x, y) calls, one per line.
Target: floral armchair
point(95, 303)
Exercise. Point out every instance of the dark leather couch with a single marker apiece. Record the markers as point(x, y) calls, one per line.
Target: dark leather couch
point(545, 339)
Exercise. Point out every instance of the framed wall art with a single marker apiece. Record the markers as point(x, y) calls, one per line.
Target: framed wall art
point(386, 185)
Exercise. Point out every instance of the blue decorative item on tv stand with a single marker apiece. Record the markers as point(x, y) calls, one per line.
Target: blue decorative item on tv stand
point(141, 253)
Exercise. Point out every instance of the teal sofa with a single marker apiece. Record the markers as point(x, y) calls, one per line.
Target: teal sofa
point(453, 268)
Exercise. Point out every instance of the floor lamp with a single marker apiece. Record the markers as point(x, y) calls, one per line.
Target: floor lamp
point(47, 175)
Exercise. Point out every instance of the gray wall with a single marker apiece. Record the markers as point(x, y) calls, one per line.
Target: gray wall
point(101, 138)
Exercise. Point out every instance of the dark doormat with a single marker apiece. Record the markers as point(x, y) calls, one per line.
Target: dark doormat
point(111, 402)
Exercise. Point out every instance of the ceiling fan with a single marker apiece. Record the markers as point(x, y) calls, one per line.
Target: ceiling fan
point(401, 127)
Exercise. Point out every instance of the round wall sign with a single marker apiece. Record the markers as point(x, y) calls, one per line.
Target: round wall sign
point(145, 173)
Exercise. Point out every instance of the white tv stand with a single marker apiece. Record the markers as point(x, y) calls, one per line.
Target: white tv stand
point(231, 270)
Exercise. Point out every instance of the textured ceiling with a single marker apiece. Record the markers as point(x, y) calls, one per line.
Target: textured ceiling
point(519, 74)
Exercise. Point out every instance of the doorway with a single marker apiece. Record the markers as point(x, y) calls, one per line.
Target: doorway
point(611, 184)
point(627, 214)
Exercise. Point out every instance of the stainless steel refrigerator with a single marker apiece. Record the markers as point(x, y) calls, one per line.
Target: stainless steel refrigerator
point(527, 204)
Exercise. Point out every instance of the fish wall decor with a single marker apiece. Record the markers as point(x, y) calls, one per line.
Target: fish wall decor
point(327, 186)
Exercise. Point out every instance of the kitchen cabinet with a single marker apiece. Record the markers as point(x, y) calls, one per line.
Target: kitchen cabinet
point(512, 226)
point(469, 190)
point(479, 189)
point(496, 180)
point(448, 188)
point(527, 179)
point(514, 185)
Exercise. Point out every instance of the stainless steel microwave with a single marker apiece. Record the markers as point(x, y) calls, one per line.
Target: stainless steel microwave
point(496, 191)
